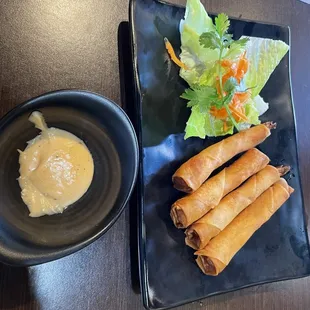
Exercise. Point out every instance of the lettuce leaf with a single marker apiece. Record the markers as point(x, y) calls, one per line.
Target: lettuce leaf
point(204, 124)
point(196, 19)
point(263, 55)
point(252, 113)
point(195, 126)
point(198, 59)
point(260, 105)
point(214, 127)
point(193, 55)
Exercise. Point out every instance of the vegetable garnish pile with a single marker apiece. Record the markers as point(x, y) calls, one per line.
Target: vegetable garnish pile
point(225, 75)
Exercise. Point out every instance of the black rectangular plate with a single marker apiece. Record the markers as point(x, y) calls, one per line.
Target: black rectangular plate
point(168, 273)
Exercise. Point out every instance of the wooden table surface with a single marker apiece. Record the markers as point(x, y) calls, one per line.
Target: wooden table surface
point(47, 45)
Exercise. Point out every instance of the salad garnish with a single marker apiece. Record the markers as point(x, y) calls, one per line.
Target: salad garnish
point(225, 75)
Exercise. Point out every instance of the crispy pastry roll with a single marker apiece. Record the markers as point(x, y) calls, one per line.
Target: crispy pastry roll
point(202, 231)
point(220, 250)
point(197, 169)
point(190, 208)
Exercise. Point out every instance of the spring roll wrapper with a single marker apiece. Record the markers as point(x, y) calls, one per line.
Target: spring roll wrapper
point(220, 250)
point(210, 225)
point(196, 170)
point(190, 208)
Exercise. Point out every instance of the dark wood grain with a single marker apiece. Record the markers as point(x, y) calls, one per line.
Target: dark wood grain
point(47, 45)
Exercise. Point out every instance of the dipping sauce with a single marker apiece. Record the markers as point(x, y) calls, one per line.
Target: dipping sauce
point(56, 169)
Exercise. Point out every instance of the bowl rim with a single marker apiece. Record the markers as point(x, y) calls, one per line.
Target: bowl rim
point(21, 259)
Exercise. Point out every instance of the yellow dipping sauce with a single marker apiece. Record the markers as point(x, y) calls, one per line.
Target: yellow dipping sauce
point(56, 169)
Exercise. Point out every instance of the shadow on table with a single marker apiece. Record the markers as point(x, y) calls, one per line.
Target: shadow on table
point(128, 100)
point(15, 290)
point(247, 296)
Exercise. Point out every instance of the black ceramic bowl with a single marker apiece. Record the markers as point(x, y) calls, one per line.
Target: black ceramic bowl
point(111, 139)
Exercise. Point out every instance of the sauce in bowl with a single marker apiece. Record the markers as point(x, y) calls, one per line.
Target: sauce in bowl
point(56, 169)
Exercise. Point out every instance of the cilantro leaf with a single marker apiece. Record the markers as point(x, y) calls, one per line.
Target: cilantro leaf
point(234, 51)
point(230, 85)
point(210, 40)
point(236, 47)
point(222, 24)
point(204, 107)
point(228, 98)
point(241, 42)
point(204, 97)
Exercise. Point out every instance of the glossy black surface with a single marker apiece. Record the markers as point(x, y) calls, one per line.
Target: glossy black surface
point(110, 137)
point(280, 249)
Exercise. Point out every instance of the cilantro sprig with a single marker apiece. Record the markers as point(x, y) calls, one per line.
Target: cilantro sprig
point(219, 38)
point(204, 97)
point(207, 97)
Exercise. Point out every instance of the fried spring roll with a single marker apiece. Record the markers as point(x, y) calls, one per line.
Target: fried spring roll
point(220, 250)
point(202, 231)
point(196, 170)
point(189, 209)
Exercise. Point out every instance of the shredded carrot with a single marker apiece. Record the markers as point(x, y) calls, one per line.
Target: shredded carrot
point(238, 112)
point(243, 96)
point(240, 98)
point(222, 113)
point(235, 69)
point(226, 76)
point(173, 56)
point(226, 63)
point(235, 112)
point(219, 113)
point(242, 67)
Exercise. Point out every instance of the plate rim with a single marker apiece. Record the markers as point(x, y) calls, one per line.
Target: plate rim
point(143, 273)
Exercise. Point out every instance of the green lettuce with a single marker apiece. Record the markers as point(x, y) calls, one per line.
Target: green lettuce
point(204, 124)
point(263, 55)
point(195, 126)
point(197, 58)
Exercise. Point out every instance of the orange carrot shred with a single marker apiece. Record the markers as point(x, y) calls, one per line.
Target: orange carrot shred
point(239, 114)
point(173, 56)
